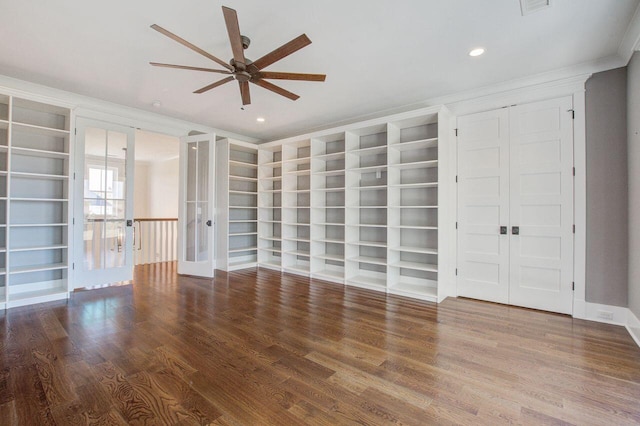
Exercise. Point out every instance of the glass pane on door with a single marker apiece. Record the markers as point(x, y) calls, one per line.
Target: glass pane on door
point(105, 182)
point(197, 238)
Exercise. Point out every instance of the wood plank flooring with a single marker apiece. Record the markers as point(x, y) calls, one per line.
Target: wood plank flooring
point(259, 348)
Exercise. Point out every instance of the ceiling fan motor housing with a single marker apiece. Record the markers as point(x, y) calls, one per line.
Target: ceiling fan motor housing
point(242, 76)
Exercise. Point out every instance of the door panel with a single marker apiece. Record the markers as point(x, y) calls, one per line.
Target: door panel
point(103, 190)
point(541, 205)
point(196, 213)
point(483, 174)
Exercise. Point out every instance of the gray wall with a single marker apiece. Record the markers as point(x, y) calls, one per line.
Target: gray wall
point(607, 182)
point(633, 117)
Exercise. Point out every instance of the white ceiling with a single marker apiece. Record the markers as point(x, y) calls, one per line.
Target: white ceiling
point(153, 147)
point(377, 54)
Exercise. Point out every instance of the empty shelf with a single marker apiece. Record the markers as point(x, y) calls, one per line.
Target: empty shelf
point(417, 165)
point(369, 282)
point(428, 290)
point(370, 169)
point(242, 164)
point(410, 249)
point(26, 175)
point(304, 253)
point(428, 228)
point(341, 189)
point(417, 144)
point(330, 241)
point(416, 185)
point(37, 268)
point(56, 291)
point(40, 248)
point(243, 249)
point(416, 266)
point(330, 273)
point(327, 256)
point(380, 149)
point(369, 259)
point(41, 130)
point(329, 157)
point(39, 153)
point(337, 172)
point(243, 178)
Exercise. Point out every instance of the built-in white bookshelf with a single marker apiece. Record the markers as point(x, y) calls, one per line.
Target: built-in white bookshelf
point(270, 207)
point(34, 201)
point(296, 207)
point(237, 199)
point(328, 157)
point(368, 205)
point(366, 215)
point(413, 207)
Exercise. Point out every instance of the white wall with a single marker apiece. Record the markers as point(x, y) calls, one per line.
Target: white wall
point(141, 190)
point(163, 189)
point(633, 152)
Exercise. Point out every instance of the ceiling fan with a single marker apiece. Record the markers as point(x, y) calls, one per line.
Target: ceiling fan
point(239, 67)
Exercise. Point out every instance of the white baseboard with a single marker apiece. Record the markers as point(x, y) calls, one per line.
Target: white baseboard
point(615, 315)
point(633, 326)
point(609, 314)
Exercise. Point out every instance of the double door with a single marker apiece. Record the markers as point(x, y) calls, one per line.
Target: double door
point(104, 208)
point(515, 205)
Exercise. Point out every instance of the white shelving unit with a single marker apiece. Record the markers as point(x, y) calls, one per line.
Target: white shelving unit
point(368, 205)
point(34, 201)
point(296, 207)
point(270, 208)
point(413, 207)
point(366, 215)
point(328, 207)
point(237, 200)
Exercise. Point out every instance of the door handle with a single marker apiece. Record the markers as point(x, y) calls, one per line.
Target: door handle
point(515, 230)
point(208, 223)
point(129, 222)
point(503, 230)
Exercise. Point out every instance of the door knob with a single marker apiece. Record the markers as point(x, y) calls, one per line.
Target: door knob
point(515, 230)
point(208, 223)
point(503, 230)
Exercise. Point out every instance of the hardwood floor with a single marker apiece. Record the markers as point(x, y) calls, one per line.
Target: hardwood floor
point(258, 348)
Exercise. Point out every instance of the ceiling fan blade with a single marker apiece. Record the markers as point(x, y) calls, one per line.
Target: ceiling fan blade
point(233, 28)
point(186, 67)
point(244, 92)
point(277, 89)
point(190, 46)
point(214, 85)
point(283, 51)
point(291, 76)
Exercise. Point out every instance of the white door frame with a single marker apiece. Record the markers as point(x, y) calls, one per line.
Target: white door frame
point(511, 94)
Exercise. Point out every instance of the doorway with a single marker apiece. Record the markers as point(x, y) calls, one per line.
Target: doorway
point(155, 197)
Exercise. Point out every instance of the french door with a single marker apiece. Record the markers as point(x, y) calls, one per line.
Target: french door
point(515, 201)
point(103, 211)
point(196, 212)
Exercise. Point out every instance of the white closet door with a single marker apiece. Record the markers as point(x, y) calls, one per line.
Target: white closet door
point(541, 205)
point(483, 206)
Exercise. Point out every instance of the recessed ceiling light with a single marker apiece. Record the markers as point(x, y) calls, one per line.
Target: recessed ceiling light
point(477, 51)
point(260, 120)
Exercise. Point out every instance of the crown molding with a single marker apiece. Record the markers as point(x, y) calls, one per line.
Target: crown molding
point(86, 106)
point(631, 40)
